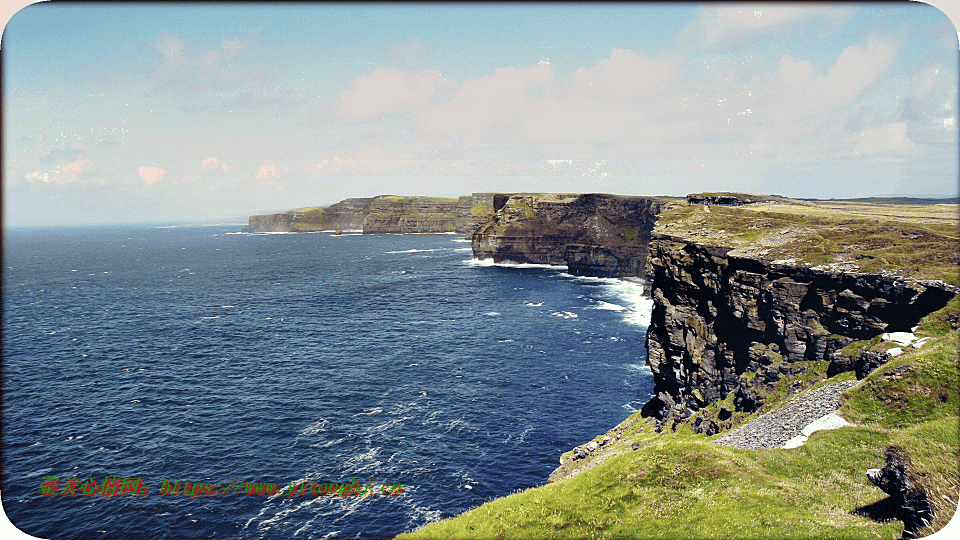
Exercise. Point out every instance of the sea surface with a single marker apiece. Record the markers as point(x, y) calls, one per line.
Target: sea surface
point(202, 355)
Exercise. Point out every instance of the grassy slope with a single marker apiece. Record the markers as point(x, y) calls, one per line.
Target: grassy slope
point(679, 485)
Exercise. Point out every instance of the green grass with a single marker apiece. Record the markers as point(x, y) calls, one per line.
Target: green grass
point(481, 209)
point(680, 486)
point(912, 388)
point(910, 248)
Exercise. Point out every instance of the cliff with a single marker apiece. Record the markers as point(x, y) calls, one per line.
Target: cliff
point(747, 297)
point(383, 214)
point(733, 326)
point(592, 234)
point(399, 215)
point(347, 214)
point(285, 222)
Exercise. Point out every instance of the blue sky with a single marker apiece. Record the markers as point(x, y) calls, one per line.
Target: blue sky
point(156, 113)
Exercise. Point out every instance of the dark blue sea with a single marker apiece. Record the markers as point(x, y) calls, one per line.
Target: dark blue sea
point(197, 354)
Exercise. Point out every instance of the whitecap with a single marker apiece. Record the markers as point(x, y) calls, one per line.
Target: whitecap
point(464, 249)
point(416, 250)
point(531, 304)
point(492, 313)
point(462, 240)
point(565, 314)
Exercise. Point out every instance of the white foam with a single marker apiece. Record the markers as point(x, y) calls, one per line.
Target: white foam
point(565, 314)
point(508, 264)
point(462, 240)
point(608, 306)
point(636, 307)
point(415, 250)
point(531, 304)
point(464, 249)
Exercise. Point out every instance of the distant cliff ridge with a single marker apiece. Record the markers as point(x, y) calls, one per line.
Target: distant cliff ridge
point(384, 214)
point(398, 215)
point(592, 234)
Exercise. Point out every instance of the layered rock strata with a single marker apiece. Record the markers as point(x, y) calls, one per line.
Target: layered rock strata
point(725, 325)
point(285, 222)
point(384, 214)
point(592, 234)
point(347, 214)
point(399, 215)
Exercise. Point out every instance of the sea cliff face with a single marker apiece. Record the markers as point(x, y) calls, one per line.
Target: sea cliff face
point(725, 325)
point(592, 234)
point(384, 214)
point(285, 222)
point(401, 215)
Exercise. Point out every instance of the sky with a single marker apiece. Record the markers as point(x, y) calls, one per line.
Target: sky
point(153, 113)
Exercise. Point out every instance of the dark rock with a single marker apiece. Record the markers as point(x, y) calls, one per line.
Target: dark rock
point(592, 234)
point(869, 361)
point(898, 479)
point(722, 323)
point(721, 200)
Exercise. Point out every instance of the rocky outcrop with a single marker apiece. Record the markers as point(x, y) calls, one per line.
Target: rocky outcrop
point(384, 214)
point(725, 325)
point(721, 200)
point(592, 234)
point(898, 479)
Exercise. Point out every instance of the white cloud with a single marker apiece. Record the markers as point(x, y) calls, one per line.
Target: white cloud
point(856, 69)
point(890, 139)
point(383, 91)
point(481, 103)
point(732, 25)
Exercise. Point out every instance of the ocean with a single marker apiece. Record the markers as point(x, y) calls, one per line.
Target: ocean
point(147, 357)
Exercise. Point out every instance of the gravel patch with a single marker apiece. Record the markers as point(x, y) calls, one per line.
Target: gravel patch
point(774, 429)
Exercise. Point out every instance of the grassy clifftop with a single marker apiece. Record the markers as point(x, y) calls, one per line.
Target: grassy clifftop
point(919, 241)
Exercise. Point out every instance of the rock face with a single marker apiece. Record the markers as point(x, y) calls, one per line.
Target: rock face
point(726, 325)
point(592, 234)
point(398, 215)
point(347, 214)
point(285, 222)
point(385, 214)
